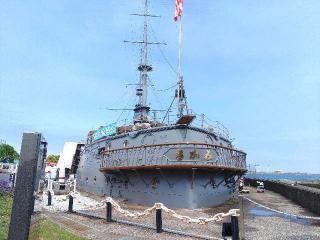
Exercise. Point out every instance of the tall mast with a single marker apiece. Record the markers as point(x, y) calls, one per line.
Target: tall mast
point(142, 109)
point(144, 77)
point(180, 92)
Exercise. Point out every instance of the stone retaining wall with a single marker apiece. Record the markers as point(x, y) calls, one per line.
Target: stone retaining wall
point(306, 197)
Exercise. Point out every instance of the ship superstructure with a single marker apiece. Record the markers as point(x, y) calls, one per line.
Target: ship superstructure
point(150, 161)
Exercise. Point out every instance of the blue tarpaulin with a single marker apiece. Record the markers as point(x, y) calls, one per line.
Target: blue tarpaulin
point(103, 131)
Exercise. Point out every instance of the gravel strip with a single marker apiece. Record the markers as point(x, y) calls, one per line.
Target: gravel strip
point(259, 223)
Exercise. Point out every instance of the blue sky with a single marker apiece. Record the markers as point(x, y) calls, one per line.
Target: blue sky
point(253, 65)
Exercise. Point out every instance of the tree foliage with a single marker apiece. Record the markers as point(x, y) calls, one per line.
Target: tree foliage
point(7, 152)
point(53, 158)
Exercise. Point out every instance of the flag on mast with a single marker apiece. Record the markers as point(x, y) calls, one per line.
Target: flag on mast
point(179, 8)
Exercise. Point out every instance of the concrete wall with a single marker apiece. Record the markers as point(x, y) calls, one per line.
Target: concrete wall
point(306, 197)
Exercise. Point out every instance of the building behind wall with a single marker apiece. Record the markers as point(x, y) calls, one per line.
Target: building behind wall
point(69, 160)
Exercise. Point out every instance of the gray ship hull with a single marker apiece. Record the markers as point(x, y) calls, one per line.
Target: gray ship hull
point(174, 188)
point(177, 189)
point(149, 169)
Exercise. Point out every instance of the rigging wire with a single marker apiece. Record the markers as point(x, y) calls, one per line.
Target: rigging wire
point(162, 53)
point(126, 118)
point(168, 109)
point(155, 92)
point(171, 67)
point(163, 90)
point(130, 99)
point(117, 100)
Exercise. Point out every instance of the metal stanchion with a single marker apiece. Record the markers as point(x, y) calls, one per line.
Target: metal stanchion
point(49, 198)
point(109, 212)
point(159, 220)
point(70, 208)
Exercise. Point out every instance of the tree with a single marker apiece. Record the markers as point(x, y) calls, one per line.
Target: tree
point(7, 152)
point(53, 158)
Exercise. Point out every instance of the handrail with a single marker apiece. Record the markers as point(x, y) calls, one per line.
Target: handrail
point(172, 166)
point(170, 144)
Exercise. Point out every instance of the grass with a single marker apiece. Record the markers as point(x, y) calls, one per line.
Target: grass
point(43, 230)
point(5, 213)
point(47, 230)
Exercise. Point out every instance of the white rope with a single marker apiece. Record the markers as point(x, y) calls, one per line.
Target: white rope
point(97, 206)
point(284, 213)
point(201, 220)
point(127, 213)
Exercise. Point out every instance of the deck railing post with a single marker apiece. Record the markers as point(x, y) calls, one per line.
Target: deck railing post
point(70, 208)
point(159, 220)
point(235, 228)
point(49, 198)
point(109, 212)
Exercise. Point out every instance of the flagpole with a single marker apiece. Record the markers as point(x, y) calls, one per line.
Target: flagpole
point(180, 93)
point(181, 97)
point(180, 48)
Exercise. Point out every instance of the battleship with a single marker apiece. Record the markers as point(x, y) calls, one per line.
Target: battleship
point(177, 163)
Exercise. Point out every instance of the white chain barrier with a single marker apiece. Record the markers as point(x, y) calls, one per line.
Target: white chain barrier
point(186, 219)
point(201, 220)
point(96, 206)
point(280, 212)
point(127, 213)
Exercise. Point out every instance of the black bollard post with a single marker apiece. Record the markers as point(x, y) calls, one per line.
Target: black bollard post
point(235, 228)
point(49, 198)
point(70, 208)
point(159, 220)
point(226, 230)
point(109, 212)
